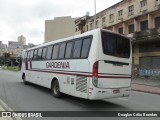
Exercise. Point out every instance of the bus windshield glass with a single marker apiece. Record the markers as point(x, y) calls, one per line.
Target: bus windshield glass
point(115, 45)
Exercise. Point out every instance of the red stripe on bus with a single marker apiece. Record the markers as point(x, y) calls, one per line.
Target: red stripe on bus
point(63, 73)
point(75, 74)
point(113, 77)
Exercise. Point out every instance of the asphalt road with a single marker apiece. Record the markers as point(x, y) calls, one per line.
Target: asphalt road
point(31, 97)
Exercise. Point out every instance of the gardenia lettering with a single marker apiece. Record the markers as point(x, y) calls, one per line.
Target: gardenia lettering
point(64, 65)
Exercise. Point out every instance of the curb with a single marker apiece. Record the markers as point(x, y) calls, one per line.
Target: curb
point(146, 91)
point(145, 84)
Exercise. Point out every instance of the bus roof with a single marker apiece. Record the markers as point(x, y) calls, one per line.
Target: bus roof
point(72, 37)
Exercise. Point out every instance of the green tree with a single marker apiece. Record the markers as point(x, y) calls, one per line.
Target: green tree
point(6, 54)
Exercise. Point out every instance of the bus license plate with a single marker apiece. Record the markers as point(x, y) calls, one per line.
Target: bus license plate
point(116, 91)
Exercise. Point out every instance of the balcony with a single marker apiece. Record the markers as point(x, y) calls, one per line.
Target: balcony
point(80, 22)
point(147, 35)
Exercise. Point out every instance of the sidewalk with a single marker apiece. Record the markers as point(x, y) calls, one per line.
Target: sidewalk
point(146, 85)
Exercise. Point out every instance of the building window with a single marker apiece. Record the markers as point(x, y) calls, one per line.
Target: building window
point(103, 21)
point(143, 4)
point(91, 26)
point(120, 30)
point(149, 47)
point(111, 18)
point(144, 25)
point(157, 2)
point(87, 27)
point(97, 24)
point(157, 23)
point(131, 28)
point(131, 10)
point(120, 14)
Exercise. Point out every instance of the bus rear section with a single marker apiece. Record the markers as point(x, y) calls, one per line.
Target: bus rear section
point(112, 71)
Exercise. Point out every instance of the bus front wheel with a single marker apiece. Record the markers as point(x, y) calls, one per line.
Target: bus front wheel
point(24, 79)
point(56, 89)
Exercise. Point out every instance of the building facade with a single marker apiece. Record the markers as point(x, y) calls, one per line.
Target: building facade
point(4, 46)
point(22, 39)
point(15, 45)
point(137, 19)
point(58, 28)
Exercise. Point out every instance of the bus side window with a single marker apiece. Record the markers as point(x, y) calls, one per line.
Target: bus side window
point(28, 56)
point(85, 47)
point(62, 50)
point(39, 55)
point(25, 56)
point(20, 63)
point(31, 56)
point(44, 53)
point(55, 51)
point(35, 54)
point(49, 52)
point(77, 48)
point(68, 50)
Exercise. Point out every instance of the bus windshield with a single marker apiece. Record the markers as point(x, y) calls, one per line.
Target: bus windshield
point(115, 45)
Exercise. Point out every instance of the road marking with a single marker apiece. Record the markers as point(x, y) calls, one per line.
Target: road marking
point(8, 109)
point(7, 118)
point(5, 105)
point(1, 108)
point(123, 99)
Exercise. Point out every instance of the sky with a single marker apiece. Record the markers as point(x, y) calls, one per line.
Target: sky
point(27, 18)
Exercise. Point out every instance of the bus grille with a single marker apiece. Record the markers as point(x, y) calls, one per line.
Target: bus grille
point(81, 84)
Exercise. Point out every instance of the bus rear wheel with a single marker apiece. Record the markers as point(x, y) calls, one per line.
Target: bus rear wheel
point(56, 89)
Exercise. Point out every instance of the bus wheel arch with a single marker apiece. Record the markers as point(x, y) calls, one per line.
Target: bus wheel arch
point(55, 88)
point(24, 78)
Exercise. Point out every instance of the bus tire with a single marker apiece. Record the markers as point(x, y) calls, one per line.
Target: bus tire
point(24, 79)
point(56, 89)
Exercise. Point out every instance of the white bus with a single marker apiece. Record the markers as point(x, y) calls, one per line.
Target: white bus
point(93, 65)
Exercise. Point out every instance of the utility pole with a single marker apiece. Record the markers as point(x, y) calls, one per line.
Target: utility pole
point(95, 14)
point(4, 60)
